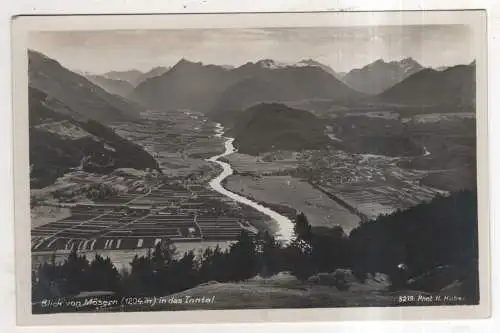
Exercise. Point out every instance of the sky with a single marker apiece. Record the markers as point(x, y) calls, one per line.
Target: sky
point(342, 48)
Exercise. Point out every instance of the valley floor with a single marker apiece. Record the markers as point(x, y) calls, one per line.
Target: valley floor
point(144, 207)
point(293, 192)
point(330, 186)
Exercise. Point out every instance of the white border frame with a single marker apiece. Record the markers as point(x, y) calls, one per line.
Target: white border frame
point(23, 25)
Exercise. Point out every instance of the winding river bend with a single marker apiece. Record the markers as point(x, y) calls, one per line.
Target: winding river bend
point(284, 223)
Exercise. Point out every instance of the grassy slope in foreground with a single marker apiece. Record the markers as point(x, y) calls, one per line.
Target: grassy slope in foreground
point(285, 291)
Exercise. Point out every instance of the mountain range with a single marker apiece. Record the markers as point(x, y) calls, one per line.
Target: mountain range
point(85, 99)
point(113, 86)
point(68, 117)
point(452, 86)
point(129, 76)
point(134, 76)
point(223, 91)
point(215, 89)
point(379, 75)
point(70, 113)
point(122, 83)
point(187, 85)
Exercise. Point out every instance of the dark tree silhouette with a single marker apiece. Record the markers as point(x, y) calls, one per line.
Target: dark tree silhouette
point(140, 278)
point(181, 274)
point(300, 259)
point(330, 250)
point(74, 273)
point(268, 252)
point(302, 229)
point(439, 233)
point(213, 265)
point(242, 259)
point(102, 275)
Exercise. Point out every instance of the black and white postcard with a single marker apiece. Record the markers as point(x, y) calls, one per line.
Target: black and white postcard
point(307, 166)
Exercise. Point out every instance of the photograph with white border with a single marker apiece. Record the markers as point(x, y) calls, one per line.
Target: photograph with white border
point(285, 166)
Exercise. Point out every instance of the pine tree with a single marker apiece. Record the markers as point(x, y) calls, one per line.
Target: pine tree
point(162, 258)
point(330, 250)
point(268, 250)
point(214, 265)
point(243, 258)
point(206, 271)
point(102, 275)
point(140, 279)
point(182, 274)
point(74, 272)
point(299, 259)
point(302, 228)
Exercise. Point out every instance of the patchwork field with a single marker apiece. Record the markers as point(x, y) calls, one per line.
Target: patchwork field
point(288, 191)
point(179, 141)
point(124, 222)
point(369, 184)
point(41, 215)
point(266, 164)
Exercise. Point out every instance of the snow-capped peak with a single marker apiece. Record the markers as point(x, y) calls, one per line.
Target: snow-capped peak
point(272, 64)
point(406, 65)
point(409, 64)
point(309, 63)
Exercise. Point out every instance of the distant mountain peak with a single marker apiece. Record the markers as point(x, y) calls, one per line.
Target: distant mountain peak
point(443, 68)
point(84, 98)
point(130, 75)
point(40, 57)
point(130, 71)
point(379, 75)
point(453, 85)
point(409, 64)
point(184, 61)
point(265, 62)
point(35, 53)
point(408, 60)
point(405, 62)
point(271, 64)
point(314, 63)
point(375, 63)
point(310, 62)
point(158, 68)
point(440, 68)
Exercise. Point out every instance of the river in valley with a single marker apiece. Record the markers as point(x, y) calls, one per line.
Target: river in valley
point(285, 225)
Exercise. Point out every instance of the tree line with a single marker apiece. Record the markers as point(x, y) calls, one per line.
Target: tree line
point(404, 245)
